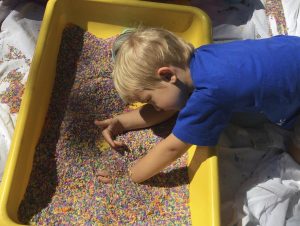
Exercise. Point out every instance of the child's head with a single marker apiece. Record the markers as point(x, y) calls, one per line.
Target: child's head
point(141, 54)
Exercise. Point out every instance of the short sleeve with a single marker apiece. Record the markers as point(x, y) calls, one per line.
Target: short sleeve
point(202, 120)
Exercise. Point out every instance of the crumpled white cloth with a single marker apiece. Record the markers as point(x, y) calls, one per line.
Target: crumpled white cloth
point(247, 19)
point(6, 133)
point(22, 26)
point(19, 30)
point(291, 10)
point(235, 19)
point(275, 198)
point(260, 183)
point(241, 152)
point(6, 6)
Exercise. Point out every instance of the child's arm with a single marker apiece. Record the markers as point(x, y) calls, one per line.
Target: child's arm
point(162, 155)
point(143, 117)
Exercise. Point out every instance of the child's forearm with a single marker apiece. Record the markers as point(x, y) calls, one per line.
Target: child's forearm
point(158, 158)
point(143, 117)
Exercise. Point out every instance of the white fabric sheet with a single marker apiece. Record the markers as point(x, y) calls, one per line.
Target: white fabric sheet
point(19, 32)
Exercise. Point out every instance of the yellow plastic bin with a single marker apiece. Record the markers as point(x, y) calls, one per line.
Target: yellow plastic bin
point(96, 17)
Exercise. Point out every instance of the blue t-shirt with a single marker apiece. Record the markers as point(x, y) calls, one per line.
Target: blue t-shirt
point(261, 76)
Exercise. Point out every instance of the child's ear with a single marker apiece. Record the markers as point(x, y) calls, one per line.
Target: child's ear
point(167, 74)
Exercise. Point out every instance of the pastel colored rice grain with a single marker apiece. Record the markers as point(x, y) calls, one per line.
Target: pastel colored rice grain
point(63, 188)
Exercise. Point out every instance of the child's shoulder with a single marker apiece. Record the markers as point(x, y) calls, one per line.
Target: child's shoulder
point(252, 42)
point(235, 51)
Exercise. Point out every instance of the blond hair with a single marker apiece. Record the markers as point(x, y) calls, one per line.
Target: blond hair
point(142, 52)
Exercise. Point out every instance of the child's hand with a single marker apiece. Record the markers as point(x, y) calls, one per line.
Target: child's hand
point(110, 128)
point(103, 176)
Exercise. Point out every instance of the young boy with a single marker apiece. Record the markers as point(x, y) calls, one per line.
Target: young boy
point(206, 85)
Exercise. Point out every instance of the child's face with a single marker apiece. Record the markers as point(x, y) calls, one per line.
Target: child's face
point(173, 92)
point(167, 97)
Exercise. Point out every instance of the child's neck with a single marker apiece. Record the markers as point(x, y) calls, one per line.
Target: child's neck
point(186, 78)
point(184, 75)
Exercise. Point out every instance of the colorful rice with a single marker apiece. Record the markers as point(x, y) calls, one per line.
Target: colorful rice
point(63, 187)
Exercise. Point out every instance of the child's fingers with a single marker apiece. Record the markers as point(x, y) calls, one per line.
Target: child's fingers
point(103, 176)
point(107, 136)
point(102, 173)
point(103, 123)
point(104, 179)
point(119, 143)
